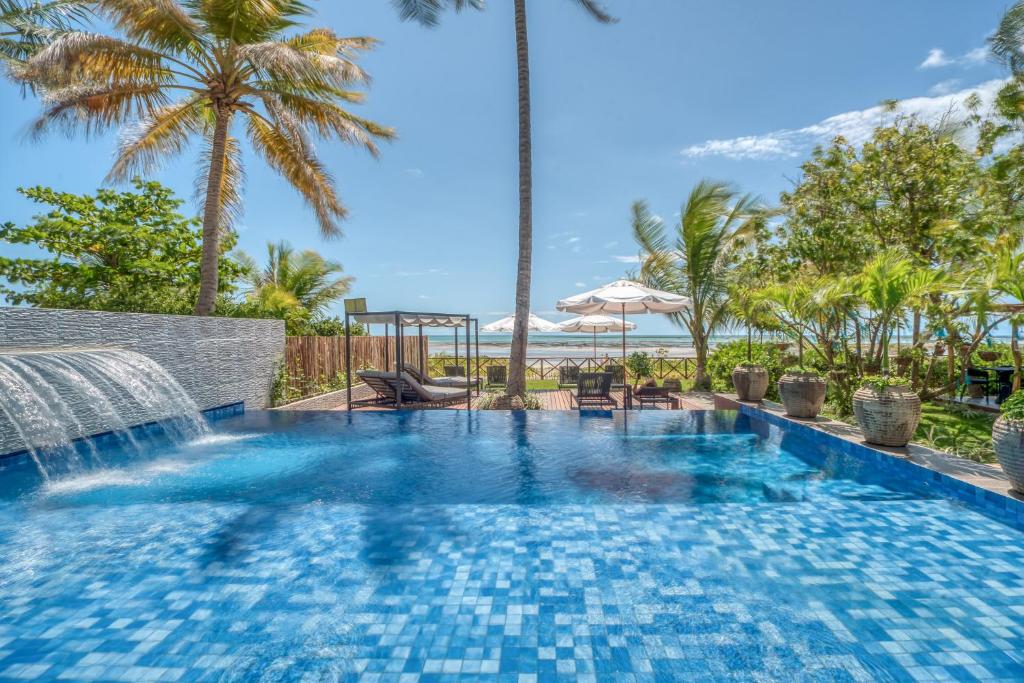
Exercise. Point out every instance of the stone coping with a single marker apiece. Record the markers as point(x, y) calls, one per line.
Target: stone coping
point(975, 484)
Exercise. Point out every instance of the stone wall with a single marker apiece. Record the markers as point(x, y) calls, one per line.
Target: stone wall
point(217, 361)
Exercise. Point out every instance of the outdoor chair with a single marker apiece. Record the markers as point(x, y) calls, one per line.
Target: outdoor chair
point(652, 395)
point(497, 375)
point(980, 377)
point(593, 388)
point(458, 381)
point(568, 375)
point(674, 386)
point(454, 371)
point(618, 373)
point(414, 394)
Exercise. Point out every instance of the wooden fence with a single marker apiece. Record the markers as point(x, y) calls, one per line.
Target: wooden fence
point(317, 364)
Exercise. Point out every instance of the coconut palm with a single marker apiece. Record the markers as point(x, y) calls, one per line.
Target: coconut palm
point(305, 279)
point(28, 25)
point(178, 71)
point(714, 224)
point(427, 11)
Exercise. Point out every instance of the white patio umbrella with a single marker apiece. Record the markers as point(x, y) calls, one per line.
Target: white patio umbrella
point(622, 297)
point(595, 324)
point(535, 324)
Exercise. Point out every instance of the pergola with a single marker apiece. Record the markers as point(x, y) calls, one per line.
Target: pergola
point(403, 319)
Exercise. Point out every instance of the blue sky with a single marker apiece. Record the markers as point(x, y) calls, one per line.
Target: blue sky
point(676, 91)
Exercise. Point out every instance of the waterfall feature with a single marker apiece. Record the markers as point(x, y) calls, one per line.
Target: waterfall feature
point(48, 399)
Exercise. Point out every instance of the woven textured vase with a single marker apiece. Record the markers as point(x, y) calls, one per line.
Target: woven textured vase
point(802, 393)
point(1008, 441)
point(751, 382)
point(889, 416)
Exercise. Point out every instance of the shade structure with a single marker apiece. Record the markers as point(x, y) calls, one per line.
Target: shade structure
point(624, 297)
point(536, 324)
point(596, 323)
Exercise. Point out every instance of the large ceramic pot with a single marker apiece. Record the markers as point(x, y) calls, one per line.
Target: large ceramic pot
point(1008, 441)
point(751, 382)
point(887, 416)
point(802, 393)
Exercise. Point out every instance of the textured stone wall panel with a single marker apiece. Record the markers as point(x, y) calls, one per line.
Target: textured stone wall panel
point(216, 360)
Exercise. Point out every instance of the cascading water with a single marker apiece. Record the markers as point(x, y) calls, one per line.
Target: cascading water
point(50, 399)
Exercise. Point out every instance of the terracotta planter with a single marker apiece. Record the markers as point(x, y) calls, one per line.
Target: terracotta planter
point(940, 349)
point(988, 356)
point(1008, 442)
point(802, 394)
point(751, 382)
point(887, 417)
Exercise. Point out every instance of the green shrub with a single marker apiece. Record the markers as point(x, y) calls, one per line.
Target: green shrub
point(640, 364)
point(880, 383)
point(1013, 407)
point(727, 356)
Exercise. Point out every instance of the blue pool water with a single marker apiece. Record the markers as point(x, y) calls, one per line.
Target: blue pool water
point(444, 545)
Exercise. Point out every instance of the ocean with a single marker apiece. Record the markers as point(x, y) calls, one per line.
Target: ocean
point(576, 345)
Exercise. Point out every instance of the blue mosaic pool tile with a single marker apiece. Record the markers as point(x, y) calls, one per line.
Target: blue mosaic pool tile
point(823, 591)
point(906, 475)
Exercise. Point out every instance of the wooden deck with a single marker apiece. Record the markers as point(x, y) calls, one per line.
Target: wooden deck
point(556, 399)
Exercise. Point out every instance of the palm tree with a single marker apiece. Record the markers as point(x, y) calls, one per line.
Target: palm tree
point(715, 223)
point(28, 25)
point(303, 279)
point(426, 11)
point(223, 59)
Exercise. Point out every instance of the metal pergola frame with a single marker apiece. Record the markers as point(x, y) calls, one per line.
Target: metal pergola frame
point(419, 320)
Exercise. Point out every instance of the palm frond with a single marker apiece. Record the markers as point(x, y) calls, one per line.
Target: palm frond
point(595, 10)
point(29, 25)
point(247, 21)
point(90, 58)
point(291, 156)
point(428, 12)
point(164, 133)
point(1006, 42)
point(330, 120)
point(96, 108)
point(162, 24)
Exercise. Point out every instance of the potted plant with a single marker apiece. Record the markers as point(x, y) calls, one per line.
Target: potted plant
point(750, 381)
point(887, 411)
point(1008, 440)
point(802, 392)
point(988, 355)
point(641, 368)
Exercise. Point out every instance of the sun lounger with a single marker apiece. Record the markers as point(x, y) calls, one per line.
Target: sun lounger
point(414, 394)
point(458, 381)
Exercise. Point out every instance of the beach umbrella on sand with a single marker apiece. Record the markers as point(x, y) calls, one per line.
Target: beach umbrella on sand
point(535, 325)
point(595, 324)
point(624, 297)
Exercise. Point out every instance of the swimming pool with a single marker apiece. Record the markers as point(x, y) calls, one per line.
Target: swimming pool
point(435, 544)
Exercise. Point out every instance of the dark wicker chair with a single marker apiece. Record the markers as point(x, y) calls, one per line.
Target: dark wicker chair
point(454, 371)
point(497, 375)
point(618, 373)
point(674, 386)
point(593, 388)
point(568, 376)
point(983, 378)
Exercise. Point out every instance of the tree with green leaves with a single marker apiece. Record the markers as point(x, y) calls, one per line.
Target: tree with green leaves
point(296, 286)
point(112, 251)
point(172, 72)
point(427, 12)
point(696, 258)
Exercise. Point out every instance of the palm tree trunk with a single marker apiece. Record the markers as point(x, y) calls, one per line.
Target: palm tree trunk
point(517, 361)
point(208, 285)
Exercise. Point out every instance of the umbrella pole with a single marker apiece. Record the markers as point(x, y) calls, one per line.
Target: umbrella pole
point(595, 343)
point(624, 377)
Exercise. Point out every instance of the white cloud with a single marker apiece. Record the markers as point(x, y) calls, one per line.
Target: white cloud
point(855, 126)
point(414, 172)
point(610, 245)
point(572, 240)
point(938, 58)
point(424, 296)
point(581, 285)
point(944, 87)
point(627, 259)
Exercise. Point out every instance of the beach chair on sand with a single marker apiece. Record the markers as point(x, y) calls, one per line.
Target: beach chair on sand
point(593, 389)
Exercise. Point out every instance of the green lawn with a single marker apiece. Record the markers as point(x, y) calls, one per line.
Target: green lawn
point(957, 430)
